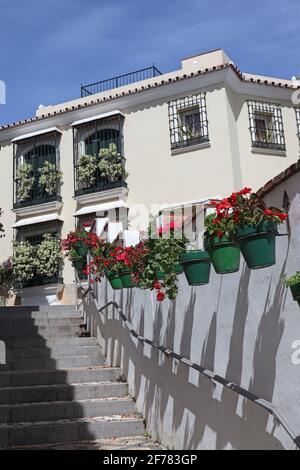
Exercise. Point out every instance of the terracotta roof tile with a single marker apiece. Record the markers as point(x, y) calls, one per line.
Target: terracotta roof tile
point(279, 179)
point(144, 88)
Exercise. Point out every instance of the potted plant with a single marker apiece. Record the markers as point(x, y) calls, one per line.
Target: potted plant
point(111, 164)
point(86, 171)
point(6, 280)
point(196, 264)
point(48, 257)
point(165, 245)
point(293, 283)
point(77, 246)
point(25, 181)
point(49, 178)
point(256, 228)
point(24, 262)
point(219, 238)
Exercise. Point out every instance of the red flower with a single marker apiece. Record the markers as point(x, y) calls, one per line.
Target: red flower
point(268, 212)
point(245, 191)
point(160, 296)
point(156, 285)
point(220, 234)
point(282, 216)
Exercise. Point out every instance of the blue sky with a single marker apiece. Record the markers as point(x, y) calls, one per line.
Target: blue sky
point(48, 47)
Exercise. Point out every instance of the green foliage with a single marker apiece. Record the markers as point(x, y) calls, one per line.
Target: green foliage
point(24, 261)
point(48, 256)
point(49, 178)
point(111, 165)
point(87, 166)
point(293, 280)
point(25, 181)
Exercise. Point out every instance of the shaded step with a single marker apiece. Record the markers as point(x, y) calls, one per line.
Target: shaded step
point(29, 323)
point(35, 315)
point(60, 410)
point(31, 331)
point(56, 363)
point(70, 430)
point(49, 342)
point(63, 392)
point(58, 351)
point(118, 443)
point(58, 377)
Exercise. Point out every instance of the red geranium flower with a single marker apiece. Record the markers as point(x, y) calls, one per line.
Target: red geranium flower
point(160, 296)
point(156, 285)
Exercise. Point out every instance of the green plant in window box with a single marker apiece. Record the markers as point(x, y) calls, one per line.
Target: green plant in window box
point(25, 181)
point(87, 167)
point(293, 283)
point(49, 178)
point(111, 164)
point(24, 261)
point(48, 256)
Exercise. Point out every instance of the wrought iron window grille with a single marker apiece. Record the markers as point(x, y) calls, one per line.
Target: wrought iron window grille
point(266, 125)
point(188, 121)
point(297, 110)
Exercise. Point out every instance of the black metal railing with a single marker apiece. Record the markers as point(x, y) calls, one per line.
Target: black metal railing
point(36, 197)
point(266, 126)
point(120, 80)
point(101, 184)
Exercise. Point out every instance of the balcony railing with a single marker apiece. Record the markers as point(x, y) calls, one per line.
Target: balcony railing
point(37, 196)
point(101, 183)
point(120, 80)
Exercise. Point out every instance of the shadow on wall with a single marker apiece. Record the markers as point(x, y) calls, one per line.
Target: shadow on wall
point(181, 407)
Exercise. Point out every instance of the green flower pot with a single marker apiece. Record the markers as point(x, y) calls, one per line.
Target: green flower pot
point(295, 290)
point(196, 265)
point(115, 281)
point(257, 244)
point(126, 280)
point(224, 254)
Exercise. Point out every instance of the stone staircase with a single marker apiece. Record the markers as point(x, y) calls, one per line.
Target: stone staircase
point(55, 389)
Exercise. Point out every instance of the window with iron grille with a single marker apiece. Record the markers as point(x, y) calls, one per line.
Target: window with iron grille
point(30, 156)
point(34, 235)
point(188, 121)
point(298, 120)
point(90, 141)
point(266, 125)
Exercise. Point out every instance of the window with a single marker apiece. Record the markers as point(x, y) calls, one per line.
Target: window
point(188, 121)
point(266, 126)
point(98, 155)
point(298, 120)
point(30, 161)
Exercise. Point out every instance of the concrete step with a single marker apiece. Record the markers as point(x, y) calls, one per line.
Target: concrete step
point(38, 308)
point(59, 351)
point(87, 429)
point(20, 324)
point(63, 392)
point(54, 363)
point(28, 315)
point(36, 332)
point(49, 343)
point(61, 410)
point(116, 443)
point(59, 377)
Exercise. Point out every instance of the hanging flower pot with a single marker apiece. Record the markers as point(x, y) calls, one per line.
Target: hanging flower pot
point(257, 244)
point(196, 265)
point(82, 249)
point(127, 281)
point(115, 281)
point(293, 283)
point(224, 253)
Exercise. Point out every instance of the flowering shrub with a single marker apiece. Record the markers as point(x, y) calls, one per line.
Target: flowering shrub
point(110, 164)
point(49, 178)
point(87, 166)
point(25, 181)
point(293, 280)
point(76, 247)
point(6, 279)
point(241, 208)
point(24, 262)
point(48, 256)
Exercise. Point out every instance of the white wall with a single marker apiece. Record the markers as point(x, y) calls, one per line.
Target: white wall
point(241, 326)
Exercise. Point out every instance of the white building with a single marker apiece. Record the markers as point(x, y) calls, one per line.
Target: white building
point(201, 131)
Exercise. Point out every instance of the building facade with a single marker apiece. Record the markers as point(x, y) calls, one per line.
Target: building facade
point(172, 139)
